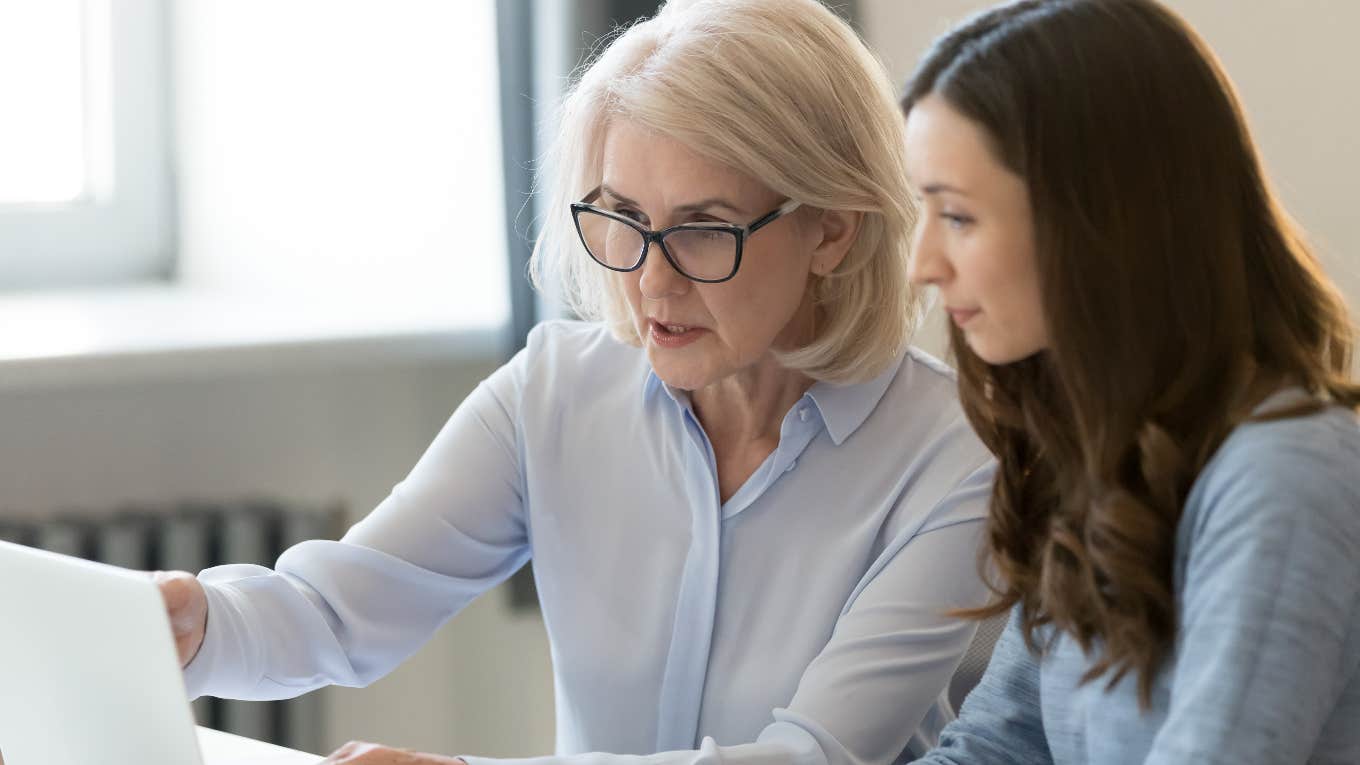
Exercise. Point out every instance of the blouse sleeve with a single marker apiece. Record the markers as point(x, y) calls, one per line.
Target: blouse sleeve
point(348, 612)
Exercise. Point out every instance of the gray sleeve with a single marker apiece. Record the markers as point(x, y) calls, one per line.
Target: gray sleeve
point(1000, 721)
point(1270, 550)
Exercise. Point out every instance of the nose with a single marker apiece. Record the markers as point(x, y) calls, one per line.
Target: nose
point(928, 263)
point(659, 279)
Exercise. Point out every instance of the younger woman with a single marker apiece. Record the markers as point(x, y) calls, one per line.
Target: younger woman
point(1152, 352)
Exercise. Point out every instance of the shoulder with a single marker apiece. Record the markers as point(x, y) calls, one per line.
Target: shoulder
point(921, 406)
point(572, 339)
point(920, 426)
point(563, 358)
point(563, 350)
point(931, 367)
point(921, 383)
point(1282, 477)
point(572, 374)
point(1320, 450)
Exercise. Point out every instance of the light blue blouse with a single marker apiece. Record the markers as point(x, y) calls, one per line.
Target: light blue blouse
point(1266, 666)
point(800, 621)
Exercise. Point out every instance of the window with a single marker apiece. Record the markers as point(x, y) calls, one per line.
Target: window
point(307, 153)
point(42, 82)
point(348, 149)
point(84, 173)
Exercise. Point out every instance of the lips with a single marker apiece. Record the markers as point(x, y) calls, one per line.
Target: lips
point(672, 327)
point(673, 334)
point(962, 316)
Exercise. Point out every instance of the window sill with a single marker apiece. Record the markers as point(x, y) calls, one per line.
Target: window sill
point(159, 332)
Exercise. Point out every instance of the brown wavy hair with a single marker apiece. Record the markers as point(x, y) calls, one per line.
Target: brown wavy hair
point(1176, 292)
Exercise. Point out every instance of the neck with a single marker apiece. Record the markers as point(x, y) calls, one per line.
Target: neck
point(744, 411)
point(750, 405)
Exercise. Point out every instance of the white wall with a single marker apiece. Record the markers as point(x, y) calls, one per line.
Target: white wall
point(1296, 67)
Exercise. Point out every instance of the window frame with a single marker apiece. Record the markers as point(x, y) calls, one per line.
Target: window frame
point(123, 228)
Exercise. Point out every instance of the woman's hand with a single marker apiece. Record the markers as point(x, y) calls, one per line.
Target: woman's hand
point(187, 605)
point(364, 753)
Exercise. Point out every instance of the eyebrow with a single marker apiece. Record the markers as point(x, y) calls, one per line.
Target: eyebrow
point(705, 204)
point(943, 188)
point(605, 189)
point(699, 206)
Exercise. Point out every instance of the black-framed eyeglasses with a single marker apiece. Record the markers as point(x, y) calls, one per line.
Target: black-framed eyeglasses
point(702, 252)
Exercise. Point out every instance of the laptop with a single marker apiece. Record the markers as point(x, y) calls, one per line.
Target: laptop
point(89, 674)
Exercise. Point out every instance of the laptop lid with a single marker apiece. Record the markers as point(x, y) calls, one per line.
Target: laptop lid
point(88, 671)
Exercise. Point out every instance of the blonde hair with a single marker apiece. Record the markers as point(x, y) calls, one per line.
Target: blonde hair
point(785, 92)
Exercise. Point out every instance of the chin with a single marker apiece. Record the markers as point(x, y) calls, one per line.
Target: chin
point(688, 377)
point(683, 382)
point(1000, 354)
point(682, 379)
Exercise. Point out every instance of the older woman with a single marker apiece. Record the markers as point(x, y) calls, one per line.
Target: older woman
point(748, 505)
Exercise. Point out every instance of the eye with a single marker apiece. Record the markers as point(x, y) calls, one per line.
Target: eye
point(956, 221)
point(700, 221)
point(631, 214)
point(693, 233)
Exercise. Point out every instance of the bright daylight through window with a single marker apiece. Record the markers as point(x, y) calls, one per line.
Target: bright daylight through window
point(42, 142)
point(84, 144)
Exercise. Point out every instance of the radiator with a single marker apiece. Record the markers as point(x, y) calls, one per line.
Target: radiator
point(190, 538)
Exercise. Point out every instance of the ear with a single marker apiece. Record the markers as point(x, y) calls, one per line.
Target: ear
point(838, 230)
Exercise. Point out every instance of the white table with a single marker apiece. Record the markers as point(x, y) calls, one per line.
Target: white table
point(220, 748)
